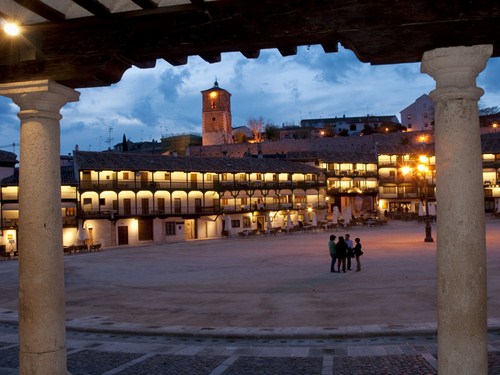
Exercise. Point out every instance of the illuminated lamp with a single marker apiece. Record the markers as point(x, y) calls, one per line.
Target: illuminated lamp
point(11, 28)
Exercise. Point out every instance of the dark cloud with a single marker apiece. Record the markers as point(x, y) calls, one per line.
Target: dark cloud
point(170, 81)
point(329, 67)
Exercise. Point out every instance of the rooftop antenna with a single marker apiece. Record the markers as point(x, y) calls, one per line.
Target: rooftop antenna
point(13, 145)
point(110, 137)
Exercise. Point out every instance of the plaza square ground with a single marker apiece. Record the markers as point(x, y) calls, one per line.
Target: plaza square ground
point(263, 281)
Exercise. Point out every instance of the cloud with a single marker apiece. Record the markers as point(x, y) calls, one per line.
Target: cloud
point(149, 103)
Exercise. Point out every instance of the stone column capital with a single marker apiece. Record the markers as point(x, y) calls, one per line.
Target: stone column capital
point(455, 70)
point(43, 98)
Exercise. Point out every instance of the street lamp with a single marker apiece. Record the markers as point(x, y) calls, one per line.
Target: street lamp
point(423, 169)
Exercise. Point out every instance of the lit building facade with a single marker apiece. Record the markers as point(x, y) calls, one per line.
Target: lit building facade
point(127, 199)
point(352, 178)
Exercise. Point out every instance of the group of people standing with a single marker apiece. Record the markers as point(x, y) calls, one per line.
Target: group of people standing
point(343, 251)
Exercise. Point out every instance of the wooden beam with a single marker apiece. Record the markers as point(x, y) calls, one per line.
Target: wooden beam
point(251, 54)
point(138, 62)
point(329, 47)
point(288, 50)
point(74, 51)
point(146, 4)
point(211, 57)
point(42, 9)
point(176, 61)
point(113, 71)
point(94, 7)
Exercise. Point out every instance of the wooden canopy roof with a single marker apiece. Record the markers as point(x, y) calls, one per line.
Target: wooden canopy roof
point(85, 43)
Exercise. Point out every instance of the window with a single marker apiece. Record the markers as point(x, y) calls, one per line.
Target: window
point(177, 205)
point(161, 205)
point(235, 223)
point(197, 205)
point(87, 201)
point(409, 126)
point(300, 199)
point(224, 201)
point(244, 201)
point(102, 201)
point(127, 206)
point(209, 177)
point(259, 176)
point(352, 127)
point(408, 117)
point(126, 176)
point(426, 125)
point(145, 206)
point(170, 228)
point(389, 189)
point(243, 176)
point(425, 115)
point(167, 176)
point(246, 222)
point(224, 177)
point(70, 211)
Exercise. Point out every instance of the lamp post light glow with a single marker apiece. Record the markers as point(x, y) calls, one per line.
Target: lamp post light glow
point(11, 29)
point(422, 169)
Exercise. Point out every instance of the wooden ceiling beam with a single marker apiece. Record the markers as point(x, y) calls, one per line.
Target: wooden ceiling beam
point(176, 61)
point(253, 54)
point(94, 7)
point(330, 46)
point(80, 52)
point(287, 50)
point(211, 57)
point(138, 62)
point(42, 9)
point(146, 4)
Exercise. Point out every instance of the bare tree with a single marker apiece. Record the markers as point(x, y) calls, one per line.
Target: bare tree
point(485, 111)
point(256, 126)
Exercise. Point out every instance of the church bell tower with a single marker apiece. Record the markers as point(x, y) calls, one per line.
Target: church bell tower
point(216, 116)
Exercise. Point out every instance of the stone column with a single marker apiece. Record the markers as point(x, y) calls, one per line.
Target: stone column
point(461, 244)
point(42, 335)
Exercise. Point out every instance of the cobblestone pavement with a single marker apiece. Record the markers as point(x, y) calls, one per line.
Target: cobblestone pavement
point(92, 353)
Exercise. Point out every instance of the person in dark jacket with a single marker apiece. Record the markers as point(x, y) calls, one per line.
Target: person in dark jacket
point(333, 254)
point(341, 250)
point(357, 253)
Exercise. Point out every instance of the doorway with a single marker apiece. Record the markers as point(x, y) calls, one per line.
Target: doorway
point(189, 229)
point(123, 235)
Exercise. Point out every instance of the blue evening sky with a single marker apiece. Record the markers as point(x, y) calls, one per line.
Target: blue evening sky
point(149, 103)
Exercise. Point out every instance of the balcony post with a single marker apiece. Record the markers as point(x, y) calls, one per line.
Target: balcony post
point(42, 336)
